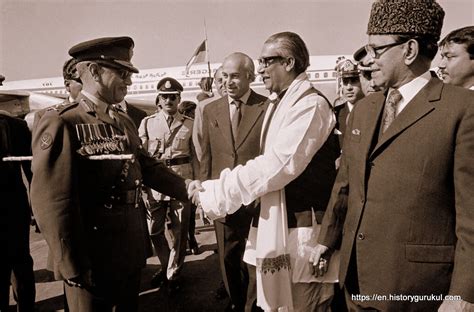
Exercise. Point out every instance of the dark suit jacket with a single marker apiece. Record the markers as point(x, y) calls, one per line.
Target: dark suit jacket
point(135, 114)
point(218, 149)
point(342, 112)
point(410, 205)
point(86, 209)
point(15, 140)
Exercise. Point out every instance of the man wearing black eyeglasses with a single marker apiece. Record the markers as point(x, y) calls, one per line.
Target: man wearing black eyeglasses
point(401, 208)
point(87, 205)
point(291, 180)
point(167, 137)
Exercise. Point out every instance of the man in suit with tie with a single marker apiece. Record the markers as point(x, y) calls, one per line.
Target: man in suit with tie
point(230, 137)
point(401, 207)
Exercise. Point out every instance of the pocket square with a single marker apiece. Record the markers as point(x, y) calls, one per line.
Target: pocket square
point(356, 132)
point(337, 132)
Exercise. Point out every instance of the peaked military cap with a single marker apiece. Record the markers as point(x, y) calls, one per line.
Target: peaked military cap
point(406, 17)
point(346, 68)
point(169, 85)
point(113, 51)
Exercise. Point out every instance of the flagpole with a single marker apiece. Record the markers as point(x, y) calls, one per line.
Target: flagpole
point(207, 50)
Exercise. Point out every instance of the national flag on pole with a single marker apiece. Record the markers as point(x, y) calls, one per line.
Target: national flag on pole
point(199, 56)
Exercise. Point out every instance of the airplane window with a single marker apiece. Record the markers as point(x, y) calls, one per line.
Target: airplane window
point(334, 74)
point(325, 75)
point(141, 87)
point(316, 75)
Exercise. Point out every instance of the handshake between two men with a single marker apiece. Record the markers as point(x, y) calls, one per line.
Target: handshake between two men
point(319, 257)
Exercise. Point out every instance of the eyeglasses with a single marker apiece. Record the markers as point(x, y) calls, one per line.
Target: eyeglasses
point(122, 73)
point(372, 51)
point(269, 60)
point(172, 97)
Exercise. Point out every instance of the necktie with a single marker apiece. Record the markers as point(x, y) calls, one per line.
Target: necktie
point(391, 108)
point(169, 121)
point(236, 118)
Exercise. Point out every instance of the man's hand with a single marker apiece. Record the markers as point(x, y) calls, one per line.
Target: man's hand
point(194, 187)
point(82, 281)
point(319, 260)
point(456, 306)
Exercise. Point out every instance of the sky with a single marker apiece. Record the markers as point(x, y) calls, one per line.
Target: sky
point(35, 35)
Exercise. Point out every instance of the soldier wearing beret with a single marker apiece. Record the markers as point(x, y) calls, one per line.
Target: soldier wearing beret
point(166, 136)
point(72, 82)
point(89, 210)
point(401, 207)
point(15, 216)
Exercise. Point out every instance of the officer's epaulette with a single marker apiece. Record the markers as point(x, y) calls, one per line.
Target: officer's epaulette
point(67, 107)
point(151, 116)
point(187, 117)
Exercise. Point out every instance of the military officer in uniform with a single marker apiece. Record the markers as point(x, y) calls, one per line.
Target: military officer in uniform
point(166, 136)
point(351, 91)
point(72, 82)
point(87, 204)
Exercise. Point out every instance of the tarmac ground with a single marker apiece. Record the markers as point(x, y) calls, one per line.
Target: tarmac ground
point(200, 279)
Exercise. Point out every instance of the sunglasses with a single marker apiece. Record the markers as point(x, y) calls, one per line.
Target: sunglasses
point(172, 97)
point(269, 60)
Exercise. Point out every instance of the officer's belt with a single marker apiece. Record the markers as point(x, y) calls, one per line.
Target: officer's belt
point(168, 162)
point(125, 197)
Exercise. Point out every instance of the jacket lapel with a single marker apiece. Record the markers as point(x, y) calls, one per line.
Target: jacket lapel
point(251, 113)
point(223, 121)
point(418, 107)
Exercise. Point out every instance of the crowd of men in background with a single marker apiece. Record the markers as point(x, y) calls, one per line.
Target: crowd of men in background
point(315, 206)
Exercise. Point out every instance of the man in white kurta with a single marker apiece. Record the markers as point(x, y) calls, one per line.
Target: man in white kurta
point(296, 126)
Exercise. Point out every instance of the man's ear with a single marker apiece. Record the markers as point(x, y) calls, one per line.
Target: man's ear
point(95, 71)
point(290, 64)
point(412, 50)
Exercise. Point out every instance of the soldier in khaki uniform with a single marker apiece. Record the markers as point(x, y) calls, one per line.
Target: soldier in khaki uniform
point(166, 135)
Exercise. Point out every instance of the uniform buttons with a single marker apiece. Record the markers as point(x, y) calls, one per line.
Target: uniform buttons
point(95, 228)
point(361, 236)
point(132, 160)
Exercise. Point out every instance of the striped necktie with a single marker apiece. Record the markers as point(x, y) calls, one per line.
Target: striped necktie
point(236, 117)
point(391, 105)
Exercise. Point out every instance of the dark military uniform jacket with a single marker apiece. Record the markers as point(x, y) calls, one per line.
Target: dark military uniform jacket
point(88, 210)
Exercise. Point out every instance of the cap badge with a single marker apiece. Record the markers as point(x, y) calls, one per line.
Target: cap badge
point(168, 84)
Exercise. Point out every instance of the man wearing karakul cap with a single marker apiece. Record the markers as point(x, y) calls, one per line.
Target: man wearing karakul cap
point(402, 202)
point(90, 211)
